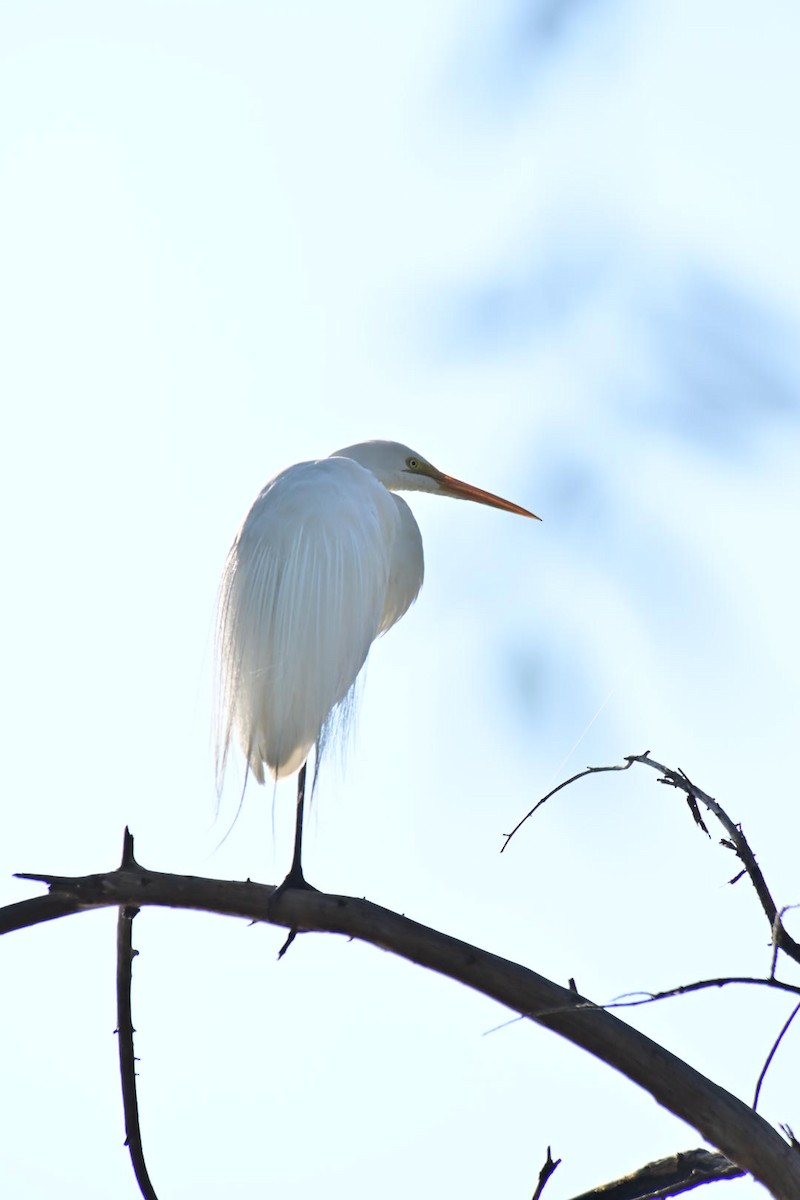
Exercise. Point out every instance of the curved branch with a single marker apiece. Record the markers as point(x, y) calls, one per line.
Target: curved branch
point(637, 999)
point(773, 1052)
point(127, 1058)
point(735, 841)
point(626, 766)
point(742, 1135)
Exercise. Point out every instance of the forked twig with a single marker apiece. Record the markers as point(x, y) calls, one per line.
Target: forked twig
point(547, 1170)
point(735, 840)
point(635, 999)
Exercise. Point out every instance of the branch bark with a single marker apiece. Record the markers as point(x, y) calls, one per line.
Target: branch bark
point(667, 1177)
point(127, 1058)
point(722, 1119)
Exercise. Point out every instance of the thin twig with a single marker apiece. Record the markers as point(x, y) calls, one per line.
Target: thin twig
point(771, 1054)
point(581, 775)
point(793, 1142)
point(545, 1173)
point(683, 989)
point(777, 924)
point(736, 840)
point(127, 1058)
point(637, 999)
point(679, 779)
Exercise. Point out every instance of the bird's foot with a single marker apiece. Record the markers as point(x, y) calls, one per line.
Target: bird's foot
point(294, 881)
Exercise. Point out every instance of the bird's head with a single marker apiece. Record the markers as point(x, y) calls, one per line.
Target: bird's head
point(401, 469)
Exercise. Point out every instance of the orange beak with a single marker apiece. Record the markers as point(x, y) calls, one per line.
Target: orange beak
point(466, 491)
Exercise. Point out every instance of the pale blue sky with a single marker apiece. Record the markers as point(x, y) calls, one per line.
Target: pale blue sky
point(566, 269)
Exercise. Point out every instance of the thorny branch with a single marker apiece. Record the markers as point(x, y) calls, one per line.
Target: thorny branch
point(125, 1031)
point(739, 1133)
point(555, 1008)
point(735, 840)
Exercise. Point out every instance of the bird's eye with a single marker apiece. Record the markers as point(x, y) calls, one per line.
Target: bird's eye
point(413, 464)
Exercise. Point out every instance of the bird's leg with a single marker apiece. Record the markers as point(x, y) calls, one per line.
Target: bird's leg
point(296, 878)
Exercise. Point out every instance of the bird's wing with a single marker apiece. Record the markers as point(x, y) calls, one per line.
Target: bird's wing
point(303, 596)
point(407, 567)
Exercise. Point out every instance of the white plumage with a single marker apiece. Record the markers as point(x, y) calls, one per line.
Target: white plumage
point(327, 559)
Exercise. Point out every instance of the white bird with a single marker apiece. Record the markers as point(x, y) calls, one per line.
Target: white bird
point(328, 558)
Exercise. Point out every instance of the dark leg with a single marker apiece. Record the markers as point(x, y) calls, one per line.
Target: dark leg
point(296, 878)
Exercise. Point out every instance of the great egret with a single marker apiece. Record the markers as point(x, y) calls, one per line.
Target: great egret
point(328, 558)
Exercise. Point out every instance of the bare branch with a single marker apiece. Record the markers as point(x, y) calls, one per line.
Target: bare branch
point(771, 1054)
point(581, 775)
point(667, 1177)
point(777, 925)
point(679, 779)
point(725, 1121)
point(545, 1173)
point(627, 1000)
point(127, 1059)
point(735, 841)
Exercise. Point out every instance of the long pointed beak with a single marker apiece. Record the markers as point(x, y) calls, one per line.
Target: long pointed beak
point(449, 486)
